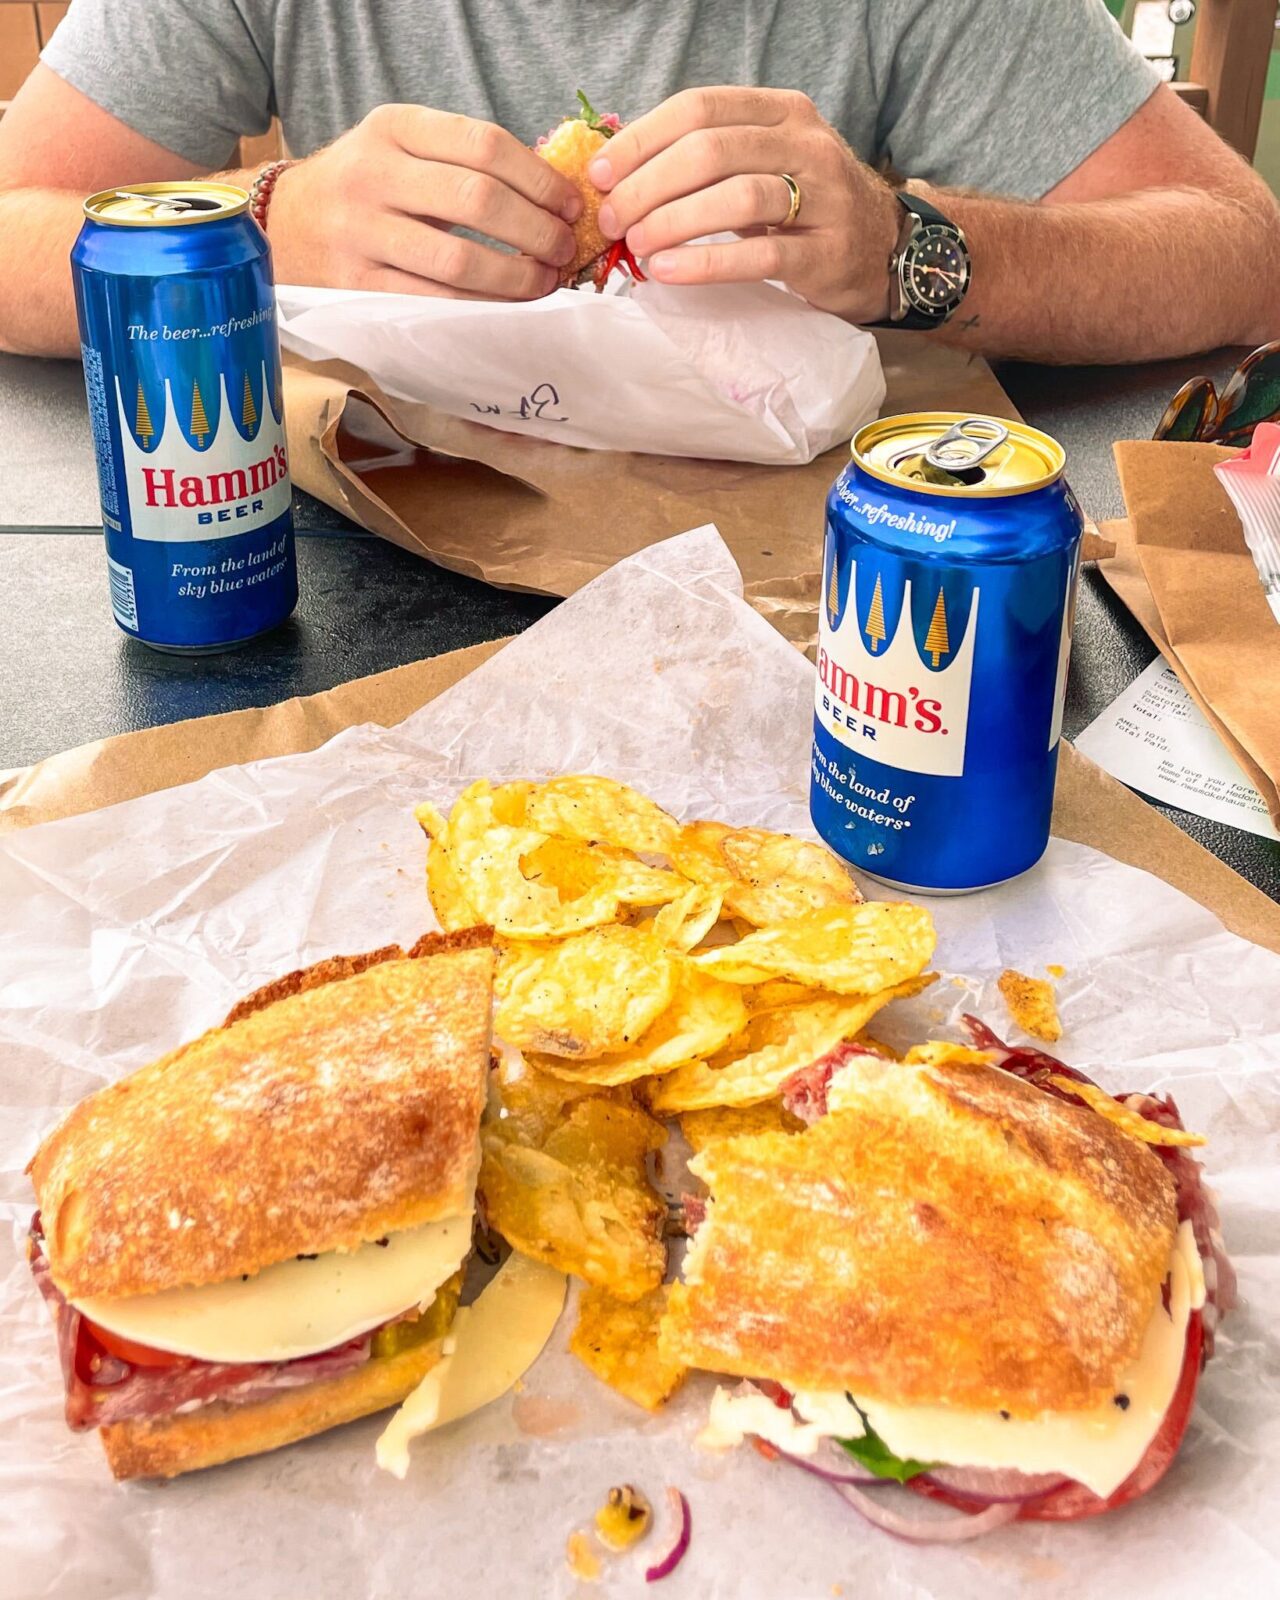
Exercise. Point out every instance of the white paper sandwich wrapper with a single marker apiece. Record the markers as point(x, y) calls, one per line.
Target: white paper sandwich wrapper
point(738, 372)
point(127, 930)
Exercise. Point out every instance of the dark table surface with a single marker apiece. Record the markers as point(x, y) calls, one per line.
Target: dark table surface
point(68, 676)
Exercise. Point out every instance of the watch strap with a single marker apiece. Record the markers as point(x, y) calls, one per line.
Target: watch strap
point(923, 210)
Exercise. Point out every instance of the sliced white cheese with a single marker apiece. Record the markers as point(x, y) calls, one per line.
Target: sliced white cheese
point(735, 1416)
point(297, 1307)
point(492, 1343)
point(1099, 1447)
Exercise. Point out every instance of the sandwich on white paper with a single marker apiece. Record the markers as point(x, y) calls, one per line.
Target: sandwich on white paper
point(973, 1273)
point(261, 1235)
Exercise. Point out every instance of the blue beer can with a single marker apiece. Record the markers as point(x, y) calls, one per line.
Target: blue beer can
point(182, 370)
point(949, 579)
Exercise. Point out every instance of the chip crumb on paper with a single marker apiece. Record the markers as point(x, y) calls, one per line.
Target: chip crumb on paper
point(1032, 1004)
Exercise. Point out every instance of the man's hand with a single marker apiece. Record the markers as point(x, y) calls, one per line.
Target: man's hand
point(710, 161)
point(375, 209)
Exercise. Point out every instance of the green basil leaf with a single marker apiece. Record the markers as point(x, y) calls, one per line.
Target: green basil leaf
point(875, 1455)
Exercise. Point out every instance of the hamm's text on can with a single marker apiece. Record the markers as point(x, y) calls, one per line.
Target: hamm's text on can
point(182, 371)
point(949, 576)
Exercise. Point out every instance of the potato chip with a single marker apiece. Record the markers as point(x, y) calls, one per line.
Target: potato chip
point(1031, 1004)
point(687, 920)
point(764, 877)
point(942, 1053)
point(486, 857)
point(698, 856)
point(587, 994)
point(572, 868)
point(848, 1091)
point(430, 820)
point(634, 882)
point(618, 1341)
point(584, 806)
point(702, 1128)
point(775, 992)
point(846, 949)
point(777, 876)
point(777, 1043)
point(511, 804)
point(703, 1016)
point(582, 1202)
point(513, 956)
point(444, 888)
point(532, 1104)
point(1124, 1117)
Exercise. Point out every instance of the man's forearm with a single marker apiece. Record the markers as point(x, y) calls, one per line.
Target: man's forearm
point(37, 304)
point(1135, 278)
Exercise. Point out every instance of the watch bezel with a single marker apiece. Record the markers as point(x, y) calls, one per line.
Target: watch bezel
point(921, 233)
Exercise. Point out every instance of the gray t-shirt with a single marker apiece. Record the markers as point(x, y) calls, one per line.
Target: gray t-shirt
point(1006, 96)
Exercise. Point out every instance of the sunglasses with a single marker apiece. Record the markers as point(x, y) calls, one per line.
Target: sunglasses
point(1251, 395)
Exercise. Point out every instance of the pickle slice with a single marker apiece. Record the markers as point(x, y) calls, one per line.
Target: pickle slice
point(433, 1323)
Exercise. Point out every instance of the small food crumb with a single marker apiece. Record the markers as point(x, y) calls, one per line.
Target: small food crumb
point(1031, 1004)
point(1056, 971)
point(581, 1557)
point(624, 1518)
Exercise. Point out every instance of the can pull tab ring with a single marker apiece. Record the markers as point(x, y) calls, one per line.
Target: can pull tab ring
point(167, 207)
point(966, 444)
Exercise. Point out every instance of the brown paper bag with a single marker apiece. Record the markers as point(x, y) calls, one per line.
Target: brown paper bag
point(528, 515)
point(1182, 567)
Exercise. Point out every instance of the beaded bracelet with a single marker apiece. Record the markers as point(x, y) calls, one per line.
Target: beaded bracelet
point(263, 187)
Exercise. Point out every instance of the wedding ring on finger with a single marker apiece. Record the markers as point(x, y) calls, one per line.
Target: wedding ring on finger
point(793, 210)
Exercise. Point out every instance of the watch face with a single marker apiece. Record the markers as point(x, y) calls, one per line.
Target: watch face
point(935, 271)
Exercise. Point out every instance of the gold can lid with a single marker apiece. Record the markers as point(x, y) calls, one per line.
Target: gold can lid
point(166, 205)
point(958, 453)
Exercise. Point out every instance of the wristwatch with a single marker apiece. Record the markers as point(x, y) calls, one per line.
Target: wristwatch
point(929, 268)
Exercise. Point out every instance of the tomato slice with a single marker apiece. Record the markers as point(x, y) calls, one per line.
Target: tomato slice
point(1072, 1502)
point(137, 1355)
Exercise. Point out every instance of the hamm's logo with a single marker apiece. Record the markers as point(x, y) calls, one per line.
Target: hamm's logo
point(882, 697)
point(228, 481)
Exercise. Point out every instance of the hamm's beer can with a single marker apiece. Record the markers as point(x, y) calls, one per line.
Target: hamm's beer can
point(951, 558)
point(182, 370)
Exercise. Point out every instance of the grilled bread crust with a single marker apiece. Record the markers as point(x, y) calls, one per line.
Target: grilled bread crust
point(340, 1104)
point(951, 1235)
point(163, 1447)
point(570, 149)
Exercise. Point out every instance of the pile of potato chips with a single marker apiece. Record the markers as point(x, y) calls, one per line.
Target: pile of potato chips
point(646, 966)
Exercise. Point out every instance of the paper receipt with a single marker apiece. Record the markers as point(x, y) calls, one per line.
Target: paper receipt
point(1155, 739)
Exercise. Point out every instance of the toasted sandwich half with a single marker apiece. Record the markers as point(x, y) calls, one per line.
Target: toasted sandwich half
point(261, 1235)
point(570, 148)
point(957, 1278)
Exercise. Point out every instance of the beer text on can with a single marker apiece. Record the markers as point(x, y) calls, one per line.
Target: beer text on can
point(950, 566)
point(182, 371)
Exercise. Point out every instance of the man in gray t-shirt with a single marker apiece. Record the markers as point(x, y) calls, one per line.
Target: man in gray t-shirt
point(1102, 219)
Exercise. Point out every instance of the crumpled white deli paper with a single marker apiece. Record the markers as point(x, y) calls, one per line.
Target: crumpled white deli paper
point(738, 372)
point(130, 929)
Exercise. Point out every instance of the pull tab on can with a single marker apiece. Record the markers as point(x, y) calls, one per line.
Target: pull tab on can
point(966, 444)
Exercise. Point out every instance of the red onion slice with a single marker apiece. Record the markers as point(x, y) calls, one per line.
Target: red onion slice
point(676, 1554)
point(954, 1529)
point(840, 1474)
point(993, 1485)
